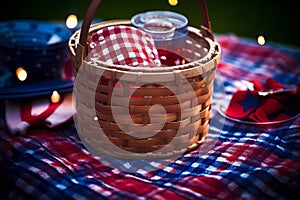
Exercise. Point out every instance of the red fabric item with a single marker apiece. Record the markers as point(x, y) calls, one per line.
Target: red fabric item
point(269, 107)
point(250, 106)
point(21, 115)
point(272, 84)
point(243, 104)
point(258, 85)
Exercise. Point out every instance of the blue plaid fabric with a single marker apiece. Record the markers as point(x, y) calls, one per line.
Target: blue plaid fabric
point(245, 162)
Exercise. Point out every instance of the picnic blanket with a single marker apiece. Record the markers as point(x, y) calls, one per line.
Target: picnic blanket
point(245, 162)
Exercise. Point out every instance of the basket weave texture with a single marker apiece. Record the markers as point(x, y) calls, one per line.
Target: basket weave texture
point(124, 104)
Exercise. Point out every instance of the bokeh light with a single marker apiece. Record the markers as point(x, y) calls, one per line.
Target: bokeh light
point(71, 21)
point(55, 97)
point(173, 2)
point(261, 40)
point(21, 74)
point(96, 118)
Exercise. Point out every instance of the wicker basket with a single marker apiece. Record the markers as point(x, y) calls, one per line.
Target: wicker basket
point(185, 92)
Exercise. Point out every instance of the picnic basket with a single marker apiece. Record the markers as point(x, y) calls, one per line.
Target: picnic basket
point(102, 122)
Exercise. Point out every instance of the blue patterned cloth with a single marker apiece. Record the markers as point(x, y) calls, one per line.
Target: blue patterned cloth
point(245, 161)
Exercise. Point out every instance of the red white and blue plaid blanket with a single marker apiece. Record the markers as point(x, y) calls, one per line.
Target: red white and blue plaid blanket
point(246, 162)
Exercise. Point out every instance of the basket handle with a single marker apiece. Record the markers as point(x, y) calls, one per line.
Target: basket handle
point(80, 50)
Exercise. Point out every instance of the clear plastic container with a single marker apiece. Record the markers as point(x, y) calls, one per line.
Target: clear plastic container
point(169, 31)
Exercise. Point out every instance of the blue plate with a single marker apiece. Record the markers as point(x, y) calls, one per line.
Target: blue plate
point(13, 89)
point(41, 48)
point(30, 34)
point(33, 89)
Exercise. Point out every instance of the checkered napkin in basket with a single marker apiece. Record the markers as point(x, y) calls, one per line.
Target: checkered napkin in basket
point(124, 45)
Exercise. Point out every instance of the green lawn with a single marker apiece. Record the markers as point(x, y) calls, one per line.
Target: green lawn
point(277, 19)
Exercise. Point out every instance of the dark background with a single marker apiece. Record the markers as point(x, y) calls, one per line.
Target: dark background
point(277, 19)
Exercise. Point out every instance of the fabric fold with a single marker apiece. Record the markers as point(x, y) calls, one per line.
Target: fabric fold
point(249, 105)
point(23, 114)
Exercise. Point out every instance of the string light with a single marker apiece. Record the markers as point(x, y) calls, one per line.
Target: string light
point(173, 2)
point(21, 74)
point(55, 97)
point(71, 21)
point(261, 40)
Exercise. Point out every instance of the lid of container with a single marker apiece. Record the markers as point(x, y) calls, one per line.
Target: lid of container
point(161, 25)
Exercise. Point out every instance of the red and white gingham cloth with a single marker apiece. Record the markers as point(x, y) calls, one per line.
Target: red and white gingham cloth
point(21, 115)
point(124, 45)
